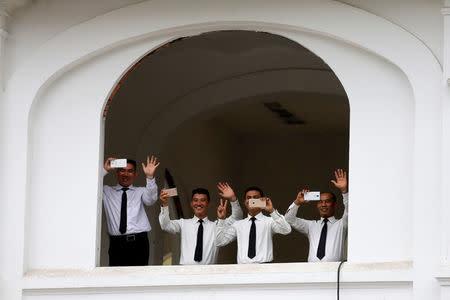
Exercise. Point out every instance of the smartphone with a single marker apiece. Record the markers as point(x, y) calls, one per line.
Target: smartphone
point(257, 203)
point(119, 163)
point(312, 196)
point(172, 192)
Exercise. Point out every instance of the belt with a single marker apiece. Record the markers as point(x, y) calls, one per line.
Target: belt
point(128, 237)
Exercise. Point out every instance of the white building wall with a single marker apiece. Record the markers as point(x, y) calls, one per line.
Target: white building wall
point(394, 84)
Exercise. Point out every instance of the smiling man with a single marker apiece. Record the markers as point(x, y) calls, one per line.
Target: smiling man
point(125, 214)
point(254, 233)
point(326, 236)
point(198, 243)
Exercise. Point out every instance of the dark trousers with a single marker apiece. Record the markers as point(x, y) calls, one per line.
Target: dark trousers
point(129, 250)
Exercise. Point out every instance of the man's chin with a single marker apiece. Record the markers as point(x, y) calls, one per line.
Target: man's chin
point(255, 210)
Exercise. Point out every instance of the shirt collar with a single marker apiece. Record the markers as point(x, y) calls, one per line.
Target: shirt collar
point(330, 219)
point(258, 216)
point(118, 187)
point(195, 219)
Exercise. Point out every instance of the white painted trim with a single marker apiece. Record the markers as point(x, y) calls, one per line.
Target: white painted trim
point(443, 275)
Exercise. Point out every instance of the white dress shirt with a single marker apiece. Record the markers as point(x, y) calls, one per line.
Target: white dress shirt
point(188, 229)
point(336, 232)
point(265, 228)
point(137, 220)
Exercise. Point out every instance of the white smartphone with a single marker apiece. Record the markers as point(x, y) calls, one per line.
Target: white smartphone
point(257, 203)
point(312, 196)
point(119, 163)
point(172, 192)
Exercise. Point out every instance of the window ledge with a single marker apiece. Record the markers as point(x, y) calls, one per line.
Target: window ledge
point(443, 275)
point(160, 276)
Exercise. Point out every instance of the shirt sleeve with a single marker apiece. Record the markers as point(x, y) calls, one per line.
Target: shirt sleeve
point(105, 187)
point(279, 224)
point(172, 226)
point(150, 194)
point(345, 215)
point(299, 224)
point(236, 213)
point(225, 233)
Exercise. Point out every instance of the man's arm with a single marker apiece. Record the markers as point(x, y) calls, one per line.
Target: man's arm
point(107, 166)
point(227, 192)
point(341, 183)
point(299, 224)
point(278, 224)
point(236, 213)
point(225, 233)
point(172, 226)
point(150, 195)
point(345, 215)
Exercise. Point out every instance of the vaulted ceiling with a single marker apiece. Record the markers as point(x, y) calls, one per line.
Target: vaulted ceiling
point(229, 75)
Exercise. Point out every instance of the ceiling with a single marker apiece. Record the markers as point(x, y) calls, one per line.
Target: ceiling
point(228, 75)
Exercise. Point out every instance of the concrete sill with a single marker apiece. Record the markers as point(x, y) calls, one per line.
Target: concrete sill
point(395, 273)
point(443, 275)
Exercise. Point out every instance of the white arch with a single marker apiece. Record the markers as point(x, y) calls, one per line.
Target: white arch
point(134, 23)
point(148, 19)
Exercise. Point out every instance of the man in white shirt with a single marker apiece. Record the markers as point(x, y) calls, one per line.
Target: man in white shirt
point(125, 214)
point(198, 242)
point(327, 235)
point(254, 233)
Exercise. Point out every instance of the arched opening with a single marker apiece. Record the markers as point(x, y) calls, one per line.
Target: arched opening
point(250, 108)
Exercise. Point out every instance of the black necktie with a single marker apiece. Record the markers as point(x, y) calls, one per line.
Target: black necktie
point(123, 212)
point(199, 247)
point(252, 239)
point(323, 240)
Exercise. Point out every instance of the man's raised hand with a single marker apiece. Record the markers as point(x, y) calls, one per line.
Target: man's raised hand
point(164, 197)
point(226, 191)
point(151, 166)
point(222, 209)
point(341, 180)
point(107, 164)
point(269, 205)
point(301, 197)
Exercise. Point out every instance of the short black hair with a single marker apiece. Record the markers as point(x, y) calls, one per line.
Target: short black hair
point(200, 191)
point(133, 162)
point(254, 188)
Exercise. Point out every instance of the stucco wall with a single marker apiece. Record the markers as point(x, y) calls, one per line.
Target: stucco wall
point(401, 92)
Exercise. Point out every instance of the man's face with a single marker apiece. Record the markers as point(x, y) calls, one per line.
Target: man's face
point(326, 206)
point(252, 195)
point(126, 175)
point(200, 204)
